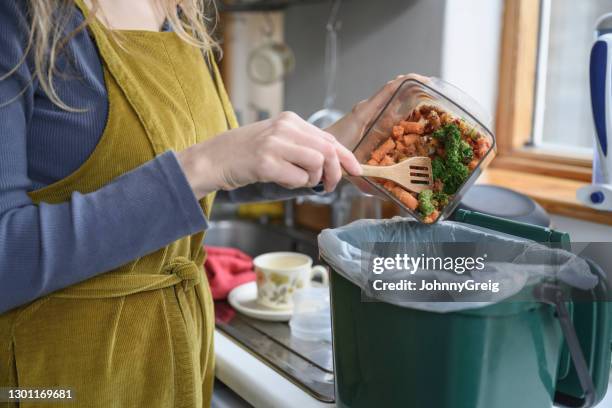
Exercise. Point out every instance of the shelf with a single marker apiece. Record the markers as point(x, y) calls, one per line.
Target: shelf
point(557, 195)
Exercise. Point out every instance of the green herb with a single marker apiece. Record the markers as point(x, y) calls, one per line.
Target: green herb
point(426, 205)
point(456, 174)
point(466, 152)
point(437, 168)
point(440, 134)
point(440, 198)
point(452, 170)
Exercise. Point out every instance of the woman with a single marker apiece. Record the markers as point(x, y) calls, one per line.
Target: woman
point(115, 133)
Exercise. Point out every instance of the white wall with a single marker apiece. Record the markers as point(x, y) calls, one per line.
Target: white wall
point(457, 40)
point(470, 48)
point(378, 41)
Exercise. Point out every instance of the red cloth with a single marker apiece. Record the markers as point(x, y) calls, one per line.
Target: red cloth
point(227, 268)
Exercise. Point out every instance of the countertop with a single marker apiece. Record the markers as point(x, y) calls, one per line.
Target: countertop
point(261, 386)
point(255, 381)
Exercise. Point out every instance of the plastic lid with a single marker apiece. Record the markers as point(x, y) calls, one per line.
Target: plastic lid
point(311, 320)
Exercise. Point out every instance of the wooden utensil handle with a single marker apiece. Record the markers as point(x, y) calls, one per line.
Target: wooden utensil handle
point(374, 171)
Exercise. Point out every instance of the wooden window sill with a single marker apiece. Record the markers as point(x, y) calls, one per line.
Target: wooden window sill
point(556, 195)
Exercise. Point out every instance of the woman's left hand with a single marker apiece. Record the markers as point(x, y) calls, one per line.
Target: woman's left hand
point(349, 129)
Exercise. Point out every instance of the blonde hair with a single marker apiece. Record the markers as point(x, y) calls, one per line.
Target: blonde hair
point(47, 35)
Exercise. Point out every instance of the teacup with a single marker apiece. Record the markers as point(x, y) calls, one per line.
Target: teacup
point(280, 274)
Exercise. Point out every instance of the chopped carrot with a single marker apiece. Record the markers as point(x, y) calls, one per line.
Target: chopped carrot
point(411, 139)
point(473, 164)
point(383, 149)
point(431, 217)
point(387, 161)
point(406, 198)
point(483, 147)
point(389, 185)
point(412, 127)
point(410, 150)
point(372, 162)
point(398, 132)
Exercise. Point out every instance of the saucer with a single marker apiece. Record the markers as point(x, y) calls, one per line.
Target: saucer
point(243, 298)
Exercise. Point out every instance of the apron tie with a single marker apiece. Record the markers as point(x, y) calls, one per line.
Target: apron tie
point(187, 270)
point(109, 285)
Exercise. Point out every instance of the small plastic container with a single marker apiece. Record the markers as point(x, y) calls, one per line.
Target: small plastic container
point(311, 320)
point(410, 95)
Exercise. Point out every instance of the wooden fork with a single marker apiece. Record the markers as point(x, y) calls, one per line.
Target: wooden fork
point(413, 174)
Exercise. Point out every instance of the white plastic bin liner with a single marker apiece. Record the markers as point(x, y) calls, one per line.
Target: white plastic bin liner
point(523, 262)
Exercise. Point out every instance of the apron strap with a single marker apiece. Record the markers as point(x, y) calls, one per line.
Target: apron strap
point(110, 285)
point(216, 77)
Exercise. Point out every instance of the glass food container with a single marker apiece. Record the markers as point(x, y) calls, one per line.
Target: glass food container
point(412, 94)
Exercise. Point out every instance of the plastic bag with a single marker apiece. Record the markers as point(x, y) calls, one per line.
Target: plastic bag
point(517, 263)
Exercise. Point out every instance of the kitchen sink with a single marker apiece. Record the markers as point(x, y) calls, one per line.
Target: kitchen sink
point(255, 239)
point(309, 365)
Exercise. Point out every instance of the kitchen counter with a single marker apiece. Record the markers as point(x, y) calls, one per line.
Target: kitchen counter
point(261, 386)
point(255, 381)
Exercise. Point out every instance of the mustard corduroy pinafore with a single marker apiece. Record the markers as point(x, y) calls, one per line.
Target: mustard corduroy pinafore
point(140, 335)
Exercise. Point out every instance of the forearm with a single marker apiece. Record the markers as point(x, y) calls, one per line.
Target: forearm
point(47, 247)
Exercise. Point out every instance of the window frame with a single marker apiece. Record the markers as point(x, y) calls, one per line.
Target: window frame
point(518, 74)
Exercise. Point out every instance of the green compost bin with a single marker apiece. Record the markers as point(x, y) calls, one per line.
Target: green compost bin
point(507, 355)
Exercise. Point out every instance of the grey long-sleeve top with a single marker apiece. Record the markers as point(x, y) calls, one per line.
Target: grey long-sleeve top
point(47, 247)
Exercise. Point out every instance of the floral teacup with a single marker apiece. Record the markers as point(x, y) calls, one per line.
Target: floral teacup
point(280, 274)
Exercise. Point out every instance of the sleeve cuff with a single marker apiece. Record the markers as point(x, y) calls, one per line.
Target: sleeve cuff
point(194, 218)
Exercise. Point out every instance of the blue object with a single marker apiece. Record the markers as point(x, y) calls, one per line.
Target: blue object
point(597, 197)
point(598, 194)
point(598, 72)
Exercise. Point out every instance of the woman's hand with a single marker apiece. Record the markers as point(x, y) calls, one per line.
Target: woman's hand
point(349, 129)
point(285, 150)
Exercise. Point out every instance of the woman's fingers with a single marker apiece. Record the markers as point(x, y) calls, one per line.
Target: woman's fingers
point(305, 135)
point(346, 158)
point(309, 148)
point(309, 160)
point(332, 172)
point(291, 176)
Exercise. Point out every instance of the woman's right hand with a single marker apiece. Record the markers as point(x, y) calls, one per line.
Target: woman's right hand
point(285, 150)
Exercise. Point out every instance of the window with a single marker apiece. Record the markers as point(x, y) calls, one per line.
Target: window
point(543, 122)
point(562, 117)
point(544, 126)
